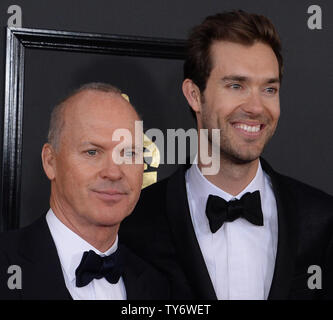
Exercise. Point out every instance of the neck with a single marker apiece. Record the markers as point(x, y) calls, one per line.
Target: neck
point(232, 177)
point(100, 237)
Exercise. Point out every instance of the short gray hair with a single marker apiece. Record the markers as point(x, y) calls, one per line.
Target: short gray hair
point(57, 121)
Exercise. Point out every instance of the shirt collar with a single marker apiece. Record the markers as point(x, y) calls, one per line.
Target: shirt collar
point(203, 187)
point(70, 246)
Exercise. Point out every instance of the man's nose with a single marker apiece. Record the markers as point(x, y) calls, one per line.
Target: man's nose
point(254, 104)
point(110, 169)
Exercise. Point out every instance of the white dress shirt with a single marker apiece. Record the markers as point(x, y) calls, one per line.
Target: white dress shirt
point(240, 256)
point(70, 248)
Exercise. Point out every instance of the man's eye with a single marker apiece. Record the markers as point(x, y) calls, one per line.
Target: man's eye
point(130, 153)
point(235, 86)
point(271, 90)
point(91, 152)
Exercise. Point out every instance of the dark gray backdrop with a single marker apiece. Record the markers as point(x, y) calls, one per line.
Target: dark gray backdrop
point(302, 146)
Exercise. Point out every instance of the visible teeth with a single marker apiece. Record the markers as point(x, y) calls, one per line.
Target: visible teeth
point(248, 128)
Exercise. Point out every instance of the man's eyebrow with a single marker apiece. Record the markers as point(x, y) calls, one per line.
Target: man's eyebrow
point(88, 143)
point(240, 78)
point(93, 144)
point(273, 80)
point(235, 78)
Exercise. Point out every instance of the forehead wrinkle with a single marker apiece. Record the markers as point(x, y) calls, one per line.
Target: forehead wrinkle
point(110, 111)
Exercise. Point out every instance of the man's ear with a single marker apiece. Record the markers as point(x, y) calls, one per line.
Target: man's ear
point(192, 95)
point(49, 161)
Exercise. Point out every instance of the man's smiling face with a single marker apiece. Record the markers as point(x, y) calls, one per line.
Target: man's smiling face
point(241, 98)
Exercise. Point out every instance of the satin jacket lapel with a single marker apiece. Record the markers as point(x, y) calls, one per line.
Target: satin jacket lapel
point(133, 288)
point(135, 277)
point(186, 242)
point(287, 236)
point(42, 276)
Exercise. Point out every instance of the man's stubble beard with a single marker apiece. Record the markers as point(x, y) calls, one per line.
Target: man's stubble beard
point(228, 151)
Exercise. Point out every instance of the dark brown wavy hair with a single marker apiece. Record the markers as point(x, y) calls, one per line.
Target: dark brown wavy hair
point(235, 26)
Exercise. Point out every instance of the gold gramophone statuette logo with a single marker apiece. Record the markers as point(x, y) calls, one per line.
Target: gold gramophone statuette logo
point(152, 154)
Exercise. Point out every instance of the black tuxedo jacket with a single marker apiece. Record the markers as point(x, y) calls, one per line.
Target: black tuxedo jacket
point(160, 230)
point(32, 248)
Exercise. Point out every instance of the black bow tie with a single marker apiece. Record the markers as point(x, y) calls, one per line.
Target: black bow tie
point(248, 206)
point(93, 266)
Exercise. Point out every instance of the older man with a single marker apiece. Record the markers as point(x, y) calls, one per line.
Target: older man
point(73, 251)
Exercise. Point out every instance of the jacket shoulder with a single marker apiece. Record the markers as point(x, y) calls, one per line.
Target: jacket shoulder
point(306, 192)
point(12, 240)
